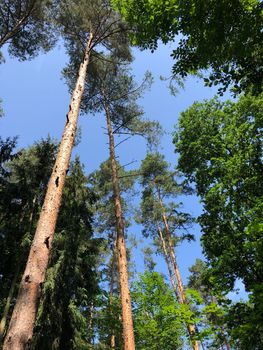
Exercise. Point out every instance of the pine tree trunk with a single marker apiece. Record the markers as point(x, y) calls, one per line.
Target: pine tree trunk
point(21, 326)
point(127, 323)
point(166, 255)
point(112, 339)
point(182, 298)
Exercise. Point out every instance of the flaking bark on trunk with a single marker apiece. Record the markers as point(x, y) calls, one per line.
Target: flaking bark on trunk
point(182, 298)
point(127, 322)
point(21, 326)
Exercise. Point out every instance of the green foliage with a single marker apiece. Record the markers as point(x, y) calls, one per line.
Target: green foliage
point(220, 146)
point(149, 262)
point(6, 154)
point(210, 307)
point(159, 182)
point(100, 181)
point(157, 317)
point(108, 321)
point(243, 323)
point(23, 179)
point(26, 25)
point(77, 19)
point(111, 86)
point(225, 38)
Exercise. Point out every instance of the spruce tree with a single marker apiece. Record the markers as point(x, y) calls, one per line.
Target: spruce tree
point(72, 277)
point(23, 184)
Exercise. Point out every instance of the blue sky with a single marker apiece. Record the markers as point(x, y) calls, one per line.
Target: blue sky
point(36, 99)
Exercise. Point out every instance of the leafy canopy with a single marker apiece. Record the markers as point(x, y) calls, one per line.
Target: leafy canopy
point(221, 36)
point(157, 318)
point(220, 147)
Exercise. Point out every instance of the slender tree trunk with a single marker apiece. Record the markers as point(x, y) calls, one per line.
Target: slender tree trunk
point(112, 339)
point(166, 255)
point(90, 321)
point(225, 339)
point(127, 323)
point(8, 304)
point(21, 326)
point(182, 298)
point(227, 343)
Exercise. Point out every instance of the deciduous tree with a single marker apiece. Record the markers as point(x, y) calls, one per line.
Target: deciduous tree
point(219, 36)
point(220, 151)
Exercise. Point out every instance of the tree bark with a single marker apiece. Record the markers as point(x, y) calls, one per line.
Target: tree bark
point(166, 255)
point(182, 298)
point(112, 339)
point(21, 326)
point(127, 322)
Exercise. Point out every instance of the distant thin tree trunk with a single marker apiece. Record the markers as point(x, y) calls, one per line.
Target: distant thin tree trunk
point(91, 320)
point(21, 326)
point(225, 339)
point(127, 322)
point(8, 304)
point(182, 298)
point(166, 255)
point(227, 343)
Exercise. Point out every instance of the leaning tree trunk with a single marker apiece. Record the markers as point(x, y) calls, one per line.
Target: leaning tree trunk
point(21, 326)
point(182, 298)
point(127, 323)
point(168, 263)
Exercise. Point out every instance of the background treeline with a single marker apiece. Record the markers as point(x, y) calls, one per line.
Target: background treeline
point(66, 271)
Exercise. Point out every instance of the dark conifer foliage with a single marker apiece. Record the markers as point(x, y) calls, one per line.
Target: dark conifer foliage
point(27, 26)
point(72, 277)
point(24, 177)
